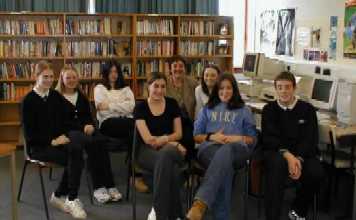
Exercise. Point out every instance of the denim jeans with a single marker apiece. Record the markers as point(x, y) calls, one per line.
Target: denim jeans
point(220, 160)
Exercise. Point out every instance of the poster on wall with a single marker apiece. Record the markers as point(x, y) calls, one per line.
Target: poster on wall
point(268, 32)
point(350, 32)
point(333, 38)
point(285, 32)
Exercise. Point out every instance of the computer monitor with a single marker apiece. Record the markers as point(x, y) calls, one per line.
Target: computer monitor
point(346, 102)
point(269, 68)
point(324, 93)
point(250, 64)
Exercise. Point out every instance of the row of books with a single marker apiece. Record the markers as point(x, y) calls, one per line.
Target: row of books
point(17, 70)
point(146, 67)
point(195, 68)
point(38, 27)
point(87, 27)
point(94, 69)
point(197, 48)
point(162, 27)
point(88, 89)
point(97, 48)
point(155, 48)
point(26, 48)
point(12, 92)
point(197, 27)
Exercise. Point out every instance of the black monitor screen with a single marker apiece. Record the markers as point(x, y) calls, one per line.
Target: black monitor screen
point(249, 63)
point(321, 90)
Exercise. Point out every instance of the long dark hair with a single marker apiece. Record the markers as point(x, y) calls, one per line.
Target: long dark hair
point(235, 101)
point(203, 84)
point(120, 82)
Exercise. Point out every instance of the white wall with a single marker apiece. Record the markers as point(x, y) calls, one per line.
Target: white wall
point(310, 13)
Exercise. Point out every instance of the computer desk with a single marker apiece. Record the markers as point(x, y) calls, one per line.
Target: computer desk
point(328, 128)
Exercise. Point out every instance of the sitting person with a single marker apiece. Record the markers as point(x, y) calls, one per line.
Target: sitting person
point(210, 74)
point(159, 124)
point(115, 103)
point(181, 87)
point(44, 122)
point(290, 144)
point(77, 107)
point(225, 129)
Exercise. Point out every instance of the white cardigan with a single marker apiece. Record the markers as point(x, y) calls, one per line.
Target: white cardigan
point(200, 99)
point(121, 102)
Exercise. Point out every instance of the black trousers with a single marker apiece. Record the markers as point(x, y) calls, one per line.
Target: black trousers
point(167, 179)
point(98, 158)
point(276, 177)
point(119, 127)
point(187, 137)
point(71, 157)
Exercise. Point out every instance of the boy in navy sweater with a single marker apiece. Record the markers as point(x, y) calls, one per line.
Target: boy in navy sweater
point(290, 141)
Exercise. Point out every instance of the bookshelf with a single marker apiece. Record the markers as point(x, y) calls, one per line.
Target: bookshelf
point(141, 43)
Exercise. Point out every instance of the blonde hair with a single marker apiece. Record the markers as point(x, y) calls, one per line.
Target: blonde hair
point(60, 87)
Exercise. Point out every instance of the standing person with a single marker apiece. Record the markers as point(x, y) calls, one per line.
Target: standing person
point(209, 77)
point(159, 124)
point(77, 107)
point(226, 131)
point(290, 141)
point(182, 87)
point(114, 101)
point(44, 122)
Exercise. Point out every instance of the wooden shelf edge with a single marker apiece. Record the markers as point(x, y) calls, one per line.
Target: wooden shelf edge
point(10, 123)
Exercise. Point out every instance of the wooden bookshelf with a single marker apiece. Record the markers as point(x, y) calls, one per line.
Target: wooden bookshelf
point(141, 43)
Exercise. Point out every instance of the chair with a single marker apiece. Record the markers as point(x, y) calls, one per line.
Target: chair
point(41, 165)
point(115, 145)
point(197, 171)
point(8, 150)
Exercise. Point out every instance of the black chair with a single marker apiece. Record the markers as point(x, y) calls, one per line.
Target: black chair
point(42, 165)
point(197, 172)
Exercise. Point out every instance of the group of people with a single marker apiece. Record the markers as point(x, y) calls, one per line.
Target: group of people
point(215, 127)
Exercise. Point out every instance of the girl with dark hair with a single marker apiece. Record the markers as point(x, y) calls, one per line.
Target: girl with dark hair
point(114, 102)
point(159, 124)
point(210, 74)
point(77, 107)
point(226, 131)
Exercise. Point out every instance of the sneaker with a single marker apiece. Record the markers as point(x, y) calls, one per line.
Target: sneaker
point(101, 195)
point(114, 194)
point(293, 215)
point(58, 202)
point(75, 208)
point(152, 215)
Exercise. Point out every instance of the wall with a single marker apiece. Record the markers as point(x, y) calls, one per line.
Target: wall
point(310, 13)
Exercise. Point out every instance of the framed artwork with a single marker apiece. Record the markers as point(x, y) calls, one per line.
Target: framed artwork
point(285, 32)
point(350, 32)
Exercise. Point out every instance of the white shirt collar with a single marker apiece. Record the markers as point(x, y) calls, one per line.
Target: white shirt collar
point(41, 94)
point(290, 107)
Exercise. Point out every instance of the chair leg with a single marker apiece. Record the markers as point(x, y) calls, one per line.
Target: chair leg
point(43, 192)
point(245, 202)
point(315, 207)
point(128, 181)
point(90, 191)
point(133, 195)
point(50, 174)
point(22, 180)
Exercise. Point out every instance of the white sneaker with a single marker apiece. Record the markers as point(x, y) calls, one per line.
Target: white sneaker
point(58, 202)
point(101, 195)
point(152, 215)
point(115, 195)
point(293, 215)
point(75, 208)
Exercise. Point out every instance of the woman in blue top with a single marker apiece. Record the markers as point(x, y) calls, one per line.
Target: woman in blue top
point(226, 131)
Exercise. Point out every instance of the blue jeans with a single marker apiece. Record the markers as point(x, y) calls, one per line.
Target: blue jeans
point(220, 160)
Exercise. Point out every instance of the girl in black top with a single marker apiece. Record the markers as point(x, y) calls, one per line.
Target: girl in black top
point(46, 136)
point(159, 124)
point(81, 123)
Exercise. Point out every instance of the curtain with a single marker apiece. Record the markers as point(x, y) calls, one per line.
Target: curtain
point(44, 5)
point(158, 6)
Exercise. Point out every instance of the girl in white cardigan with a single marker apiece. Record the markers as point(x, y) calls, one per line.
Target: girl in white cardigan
point(114, 102)
point(208, 80)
